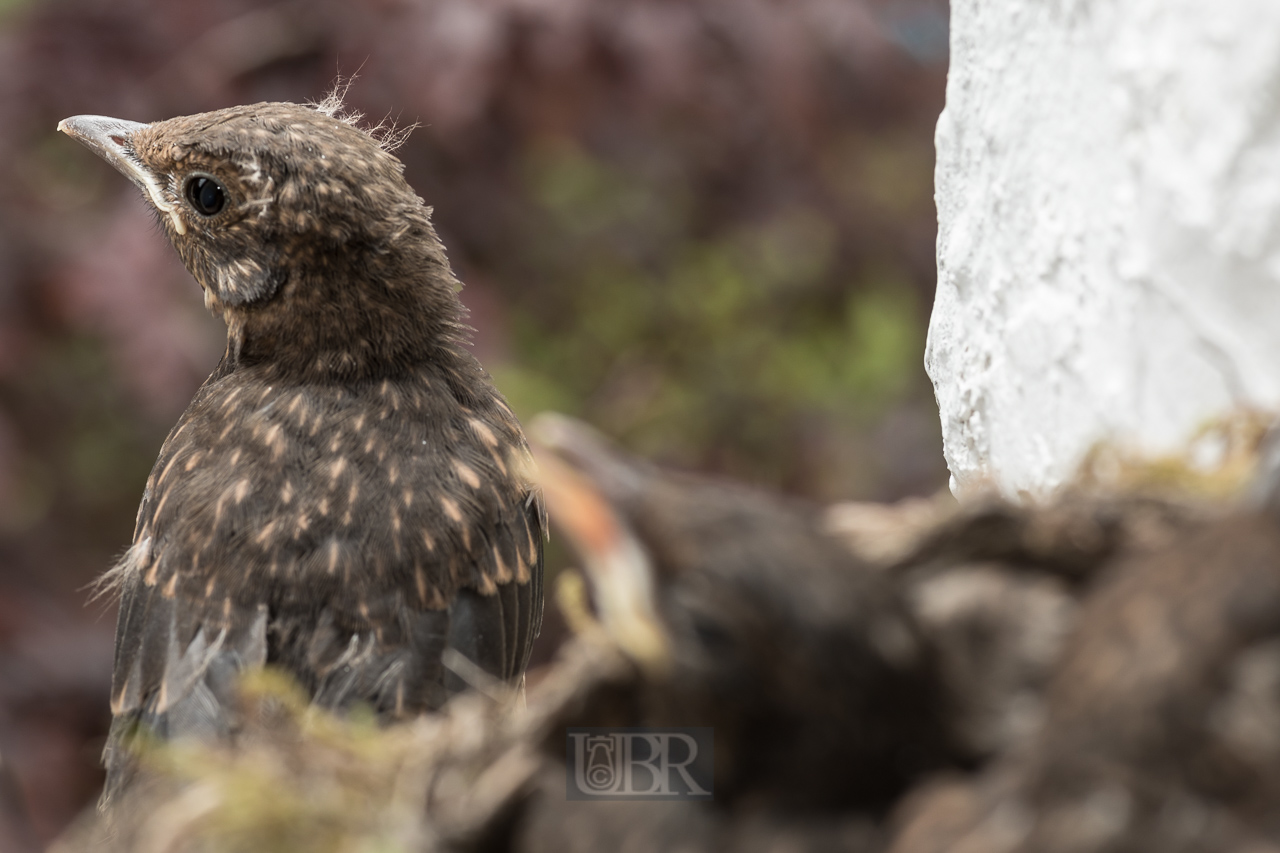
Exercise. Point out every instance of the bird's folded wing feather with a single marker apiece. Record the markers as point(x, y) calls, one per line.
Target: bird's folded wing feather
point(176, 662)
point(178, 654)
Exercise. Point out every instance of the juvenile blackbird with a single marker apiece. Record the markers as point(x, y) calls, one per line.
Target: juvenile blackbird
point(807, 662)
point(347, 495)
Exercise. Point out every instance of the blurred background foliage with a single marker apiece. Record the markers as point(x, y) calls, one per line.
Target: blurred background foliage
point(706, 226)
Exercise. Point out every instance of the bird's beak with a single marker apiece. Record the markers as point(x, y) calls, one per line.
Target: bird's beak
point(110, 139)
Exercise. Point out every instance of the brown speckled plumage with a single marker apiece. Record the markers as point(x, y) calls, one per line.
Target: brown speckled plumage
point(347, 496)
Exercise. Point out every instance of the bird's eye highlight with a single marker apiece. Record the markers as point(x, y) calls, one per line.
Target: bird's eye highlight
point(206, 195)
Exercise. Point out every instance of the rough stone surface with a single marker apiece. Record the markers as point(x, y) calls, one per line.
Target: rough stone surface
point(1108, 189)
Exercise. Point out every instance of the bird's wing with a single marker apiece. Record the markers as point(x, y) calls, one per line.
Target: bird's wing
point(404, 658)
point(496, 631)
point(176, 662)
point(536, 518)
point(178, 655)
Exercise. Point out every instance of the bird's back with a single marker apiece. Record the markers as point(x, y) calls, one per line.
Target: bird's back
point(350, 534)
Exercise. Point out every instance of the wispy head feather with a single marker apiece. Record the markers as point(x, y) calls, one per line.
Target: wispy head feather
point(386, 133)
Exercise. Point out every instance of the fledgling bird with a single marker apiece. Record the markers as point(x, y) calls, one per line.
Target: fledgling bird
point(347, 496)
point(749, 617)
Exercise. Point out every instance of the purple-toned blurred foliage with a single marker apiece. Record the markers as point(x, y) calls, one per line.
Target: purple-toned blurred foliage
point(704, 225)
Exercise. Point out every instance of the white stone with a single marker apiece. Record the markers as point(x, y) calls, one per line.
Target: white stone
point(1108, 190)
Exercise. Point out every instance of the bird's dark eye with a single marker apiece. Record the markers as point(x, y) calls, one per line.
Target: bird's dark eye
point(206, 195)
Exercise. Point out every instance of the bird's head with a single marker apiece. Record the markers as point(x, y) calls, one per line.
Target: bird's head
point(289, 216)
